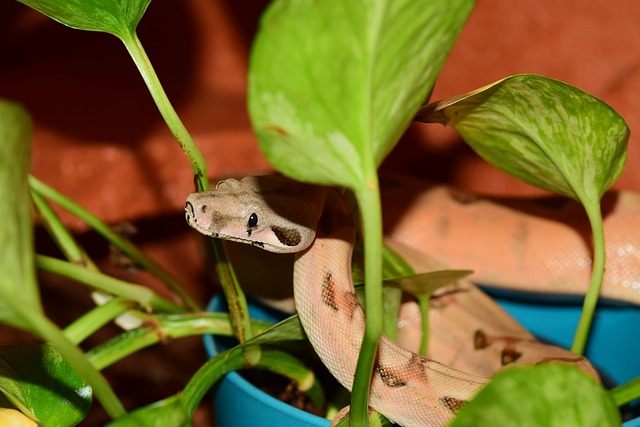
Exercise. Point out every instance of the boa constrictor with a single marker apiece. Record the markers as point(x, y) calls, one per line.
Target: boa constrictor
point(471, 336)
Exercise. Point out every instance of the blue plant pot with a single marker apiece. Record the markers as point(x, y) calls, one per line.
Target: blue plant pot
point(239, 403)
point(613, 347)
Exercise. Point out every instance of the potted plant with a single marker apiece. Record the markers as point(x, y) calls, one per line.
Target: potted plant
point(293, 35)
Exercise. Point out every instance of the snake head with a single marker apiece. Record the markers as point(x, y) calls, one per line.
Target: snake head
point(259, 211)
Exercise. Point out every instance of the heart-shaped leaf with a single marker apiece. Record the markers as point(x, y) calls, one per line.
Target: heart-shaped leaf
point(37, 380)
point(334, 84)
point(542, 131)
point(117, 17)
point(545, 395)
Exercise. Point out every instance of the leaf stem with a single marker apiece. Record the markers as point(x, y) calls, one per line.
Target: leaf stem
point(238, 307)
point(424, 304)
point(96, 318)
point(626, 392)
point(371, 213)
point(188, 145)
point(232, 360)
point(144, 296)
point(159, 328)
point(233, 293)
point(59, 233)
point(123, 244)
point(597, 274)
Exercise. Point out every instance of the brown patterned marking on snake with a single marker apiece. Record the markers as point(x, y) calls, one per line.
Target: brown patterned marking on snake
point(418, 365)
point(509, 355)
point(462, 197)
point(480, 340)
point(328, 292)
point(352, 303)
point(452, 403)
point(287, 236)
point(390, 377)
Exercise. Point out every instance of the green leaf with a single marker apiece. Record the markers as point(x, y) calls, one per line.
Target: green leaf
point(37, 380)
point(332, 87)
point(117, 17)
point(288, 329)
point(19, 295)
point(544, 395)
point(545, 132)
point(334, 84)
point(428, 283)
point(551, 135)
point(167, 412)
point(393, 264)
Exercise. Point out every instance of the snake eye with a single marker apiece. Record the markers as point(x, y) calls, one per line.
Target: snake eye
point(253, 220)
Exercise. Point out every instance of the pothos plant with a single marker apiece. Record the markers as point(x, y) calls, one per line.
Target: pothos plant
point(332, 87)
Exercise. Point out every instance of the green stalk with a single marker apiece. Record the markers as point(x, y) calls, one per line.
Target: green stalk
point(123, 345)
point(371, 213)
point(160, 328)
point(93, 320)
point(144, 296)
point(124, 245)
point(188, 145)
point(208, 374)
point(423, 303)
point(236, 299)
point(232, 360)
point(591, 299)
point(233, 293)
point(626, 392)
point(59, 233)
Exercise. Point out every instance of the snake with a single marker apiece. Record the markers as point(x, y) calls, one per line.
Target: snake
point(471, 337)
